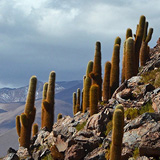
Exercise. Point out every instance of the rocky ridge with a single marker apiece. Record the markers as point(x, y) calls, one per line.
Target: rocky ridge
point(88, 138)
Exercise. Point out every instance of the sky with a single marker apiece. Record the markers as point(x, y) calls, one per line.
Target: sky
point(39, 36)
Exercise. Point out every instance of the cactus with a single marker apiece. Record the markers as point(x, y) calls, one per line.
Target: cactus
point(128, 33)
point(59, 116)
point(138, 40)
point(123, 62)
point(45, 87)
point(34, 129)
point(144, 47)
point(117, 41)
point(117, 134)
point(25, 120)
point(94, 99)
point(96, 74)
point(74, 102)
point(106, 82)
point(48, 103)
point(114, 76)
point(129, 58)
point(86, 92)
point(89, 68)
point(78, 96)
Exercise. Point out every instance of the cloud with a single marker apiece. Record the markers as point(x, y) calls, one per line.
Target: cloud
point(39, 36)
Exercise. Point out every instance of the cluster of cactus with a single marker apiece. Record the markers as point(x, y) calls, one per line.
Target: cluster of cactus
point(25, 120)
point(117, 133)
point(135, 49)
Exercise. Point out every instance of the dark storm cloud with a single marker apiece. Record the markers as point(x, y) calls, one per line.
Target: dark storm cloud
point(39, 36)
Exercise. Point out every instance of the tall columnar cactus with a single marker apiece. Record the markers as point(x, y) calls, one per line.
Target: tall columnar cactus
point(123, 62)
point(117, 134)
point(114, 76)
point(86, 93)
point(106, 81)
point(96, 74)
point(138, 40)
point(144, 47)
point(128, 34)
point(94, 99)
point(34, 129)
point(45, 87)
point(25, 120)
point(77, 108)
point(59, 116)
point(74, 102)
point(48, 103)
point(129, 58)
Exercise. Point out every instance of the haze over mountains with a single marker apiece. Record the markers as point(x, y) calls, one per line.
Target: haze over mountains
point(12, 101)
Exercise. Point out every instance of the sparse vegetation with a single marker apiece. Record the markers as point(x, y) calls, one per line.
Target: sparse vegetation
point(136, 153)
point(132, 113)
point(108, 127)
point(152, 77)
point(80, 126)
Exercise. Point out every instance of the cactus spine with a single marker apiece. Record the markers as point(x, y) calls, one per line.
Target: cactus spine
point(117, 134)
point(144, 47)
point(138, 40)
point(106, 82)
point(129, 58)
point(114, 76)
point(34, 129)
point(96, 74)
point(25, 120)
point(48, 103)
point(94, 99)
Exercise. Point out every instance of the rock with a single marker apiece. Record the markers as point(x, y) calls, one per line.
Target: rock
point(61, 144)
point(23, 152)
point(11, 156)
point(150, 144)
point(126, 94)
point(143, 158)
point(76, 151)
point(96, 154)
point(56, 155)
point(137, 130)
point(97, 121)
point(11, 150)
point(156, 103)
point(148, 88)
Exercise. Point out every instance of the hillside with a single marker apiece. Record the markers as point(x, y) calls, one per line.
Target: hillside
point(117, 121)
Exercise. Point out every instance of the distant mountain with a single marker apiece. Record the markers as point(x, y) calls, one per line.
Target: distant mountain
point(9, 95)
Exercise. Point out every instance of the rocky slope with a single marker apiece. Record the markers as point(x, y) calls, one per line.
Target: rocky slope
point(88, 138)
